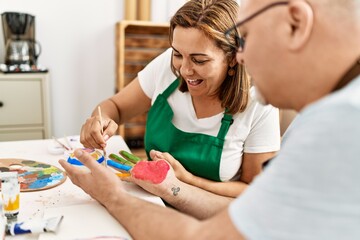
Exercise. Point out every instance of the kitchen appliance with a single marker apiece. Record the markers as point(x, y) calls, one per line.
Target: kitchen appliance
point(21, 48)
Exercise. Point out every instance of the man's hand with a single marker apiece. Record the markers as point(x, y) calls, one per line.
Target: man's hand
point(99, 182)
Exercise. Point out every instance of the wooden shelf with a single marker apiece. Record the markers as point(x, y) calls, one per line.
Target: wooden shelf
point(137, 43)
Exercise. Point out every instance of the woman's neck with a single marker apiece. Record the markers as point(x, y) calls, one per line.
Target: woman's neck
point(206, 107)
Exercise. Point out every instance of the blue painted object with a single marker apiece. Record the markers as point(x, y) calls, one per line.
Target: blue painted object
point(93, 152)
point(120, 166)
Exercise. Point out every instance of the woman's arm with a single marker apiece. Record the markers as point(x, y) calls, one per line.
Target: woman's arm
point(251, 166)
point(129, 102)
point(197, 196)
point(158, 178)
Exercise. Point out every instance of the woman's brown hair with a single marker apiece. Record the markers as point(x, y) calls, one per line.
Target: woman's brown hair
point(213, 18)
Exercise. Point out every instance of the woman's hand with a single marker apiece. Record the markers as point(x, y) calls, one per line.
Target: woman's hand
point(180, 172)
point(156, 177)
point(131, 101)
point(91, 135)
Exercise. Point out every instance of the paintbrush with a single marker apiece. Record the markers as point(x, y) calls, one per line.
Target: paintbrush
point(68, 143)
point(61, 144)
point(102, 132)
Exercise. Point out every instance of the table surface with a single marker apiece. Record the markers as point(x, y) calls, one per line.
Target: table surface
point(67, 199)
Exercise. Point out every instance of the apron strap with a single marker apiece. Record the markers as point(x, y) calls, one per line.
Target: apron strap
point(226, 121)
point(171, 88)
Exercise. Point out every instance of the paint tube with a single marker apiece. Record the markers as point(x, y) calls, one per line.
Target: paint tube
point(34, 226)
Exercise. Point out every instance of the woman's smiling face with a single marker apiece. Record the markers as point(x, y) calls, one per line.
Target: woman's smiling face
point(201, 64)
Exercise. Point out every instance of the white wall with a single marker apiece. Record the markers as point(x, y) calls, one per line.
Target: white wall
point(77, 38)
point(162, 10)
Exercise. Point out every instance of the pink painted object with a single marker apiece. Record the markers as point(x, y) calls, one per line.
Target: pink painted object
point(152, 171)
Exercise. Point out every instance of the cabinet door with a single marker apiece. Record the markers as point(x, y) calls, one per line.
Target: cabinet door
point(21, 134)
point(21, 102)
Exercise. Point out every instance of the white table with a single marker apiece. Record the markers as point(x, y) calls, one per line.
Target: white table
point(67, 199)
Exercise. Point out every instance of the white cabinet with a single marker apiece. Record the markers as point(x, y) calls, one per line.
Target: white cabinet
point(24, 106)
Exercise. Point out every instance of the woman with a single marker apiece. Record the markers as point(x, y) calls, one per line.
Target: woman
point(201, 112)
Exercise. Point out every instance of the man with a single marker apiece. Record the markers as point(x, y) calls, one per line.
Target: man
point(302, 55)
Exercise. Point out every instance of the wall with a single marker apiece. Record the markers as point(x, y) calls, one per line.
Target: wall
point(162, 10)
point(77, 39)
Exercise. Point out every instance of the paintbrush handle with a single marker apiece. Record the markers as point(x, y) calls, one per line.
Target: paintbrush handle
point(61, 144)
point(68, 143)
point(105, 157)
point(101, 122)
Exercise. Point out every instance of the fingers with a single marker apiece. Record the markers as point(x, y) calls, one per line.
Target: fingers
point(127, 179)
point(110, 128)
point(73, 172)
point(94, 175)
point(88, 161)
point(156, 155)
point(130, 157)
point(91, 135)
point(84, 157)
point(68, 167)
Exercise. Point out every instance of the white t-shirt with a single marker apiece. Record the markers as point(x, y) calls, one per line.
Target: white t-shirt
point(311, 189)
point(255, 130)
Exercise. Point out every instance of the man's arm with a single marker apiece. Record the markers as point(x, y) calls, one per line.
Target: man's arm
point(186, 198)
point(144, 220)
point(251, 167)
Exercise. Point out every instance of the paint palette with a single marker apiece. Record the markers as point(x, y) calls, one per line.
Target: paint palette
point(33, 175)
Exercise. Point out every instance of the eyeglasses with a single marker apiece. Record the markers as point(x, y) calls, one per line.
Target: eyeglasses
point(232, 33)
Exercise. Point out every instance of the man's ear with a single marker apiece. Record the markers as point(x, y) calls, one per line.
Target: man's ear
point(301, 20)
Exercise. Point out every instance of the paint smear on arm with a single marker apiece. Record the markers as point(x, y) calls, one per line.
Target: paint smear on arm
point(152, 171)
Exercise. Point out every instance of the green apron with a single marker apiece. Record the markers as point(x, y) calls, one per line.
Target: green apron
point(199, 153)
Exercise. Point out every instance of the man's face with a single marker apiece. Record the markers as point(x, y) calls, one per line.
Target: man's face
point(264, 53)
